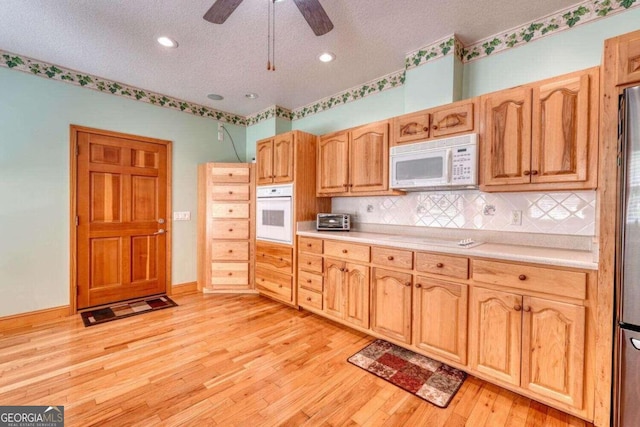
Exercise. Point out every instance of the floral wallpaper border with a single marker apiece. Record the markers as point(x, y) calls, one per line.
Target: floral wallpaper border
point(77, 78)
point(578, 14)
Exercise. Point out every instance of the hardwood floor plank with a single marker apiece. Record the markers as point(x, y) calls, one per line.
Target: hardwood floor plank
point(229, 360)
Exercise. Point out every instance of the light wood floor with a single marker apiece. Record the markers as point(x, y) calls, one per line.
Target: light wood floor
point(229, 360)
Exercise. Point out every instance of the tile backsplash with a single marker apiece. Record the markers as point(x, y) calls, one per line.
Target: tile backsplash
point(571, 213)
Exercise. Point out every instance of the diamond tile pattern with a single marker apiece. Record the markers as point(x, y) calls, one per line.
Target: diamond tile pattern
point(570, 213)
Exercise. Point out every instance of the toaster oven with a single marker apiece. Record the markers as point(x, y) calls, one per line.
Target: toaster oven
point(333, 222)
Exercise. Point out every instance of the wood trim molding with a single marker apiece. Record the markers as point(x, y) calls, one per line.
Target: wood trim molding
point(73, 178)
point(184, 289)
point(29, 319)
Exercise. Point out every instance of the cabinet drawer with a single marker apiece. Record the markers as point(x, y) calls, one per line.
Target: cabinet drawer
point(225, 229)
point(557, 282)
point(230, 192)
point(410, 127)
point(308, 244)
point(310, 281)
point(452, 120)
point(238, 174)
point(274, 284)
point(451, 266)
point(229, 273)
point(311, 299)
point(274, 257)
point(229, 251)
point(230, 210)
point(395, 258)
point(310, 263)
point(346, 251)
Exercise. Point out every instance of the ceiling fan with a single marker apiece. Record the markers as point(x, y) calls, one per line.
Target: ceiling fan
point(311, 10)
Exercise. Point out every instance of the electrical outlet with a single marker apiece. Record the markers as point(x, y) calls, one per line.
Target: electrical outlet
point(516, 217)
point(489, 210)
point(182, 216)
point(369, 208)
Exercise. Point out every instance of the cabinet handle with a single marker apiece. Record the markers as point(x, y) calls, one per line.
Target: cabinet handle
point(230, 251)
point(230, 274)
point(342, 269)
point(344, 251)
point(231, 230)
point(309, 245)
point(308, 280)
point(230, 192)
point(346, 270)
point(280, 258)
point(230, 174)
point(418, 285)
point(425, 129)
point(526, 173)
point(230, 210)
point(527, 309)
point(390, 257)
point(309, 299)
point(280, 286)
point(350, 185)
point(517, 308)
point(408, 284)
point(439, 265)
point(434, 127)
point(534, 172)
point(308, 262)
point(522, 277)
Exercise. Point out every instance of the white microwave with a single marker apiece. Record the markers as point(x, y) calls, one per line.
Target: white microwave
point(444, 164)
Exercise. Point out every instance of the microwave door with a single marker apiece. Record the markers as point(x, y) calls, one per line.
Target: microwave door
point(420, 169)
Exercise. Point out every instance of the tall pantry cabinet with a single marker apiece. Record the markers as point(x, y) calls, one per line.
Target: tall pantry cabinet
point(226, 227)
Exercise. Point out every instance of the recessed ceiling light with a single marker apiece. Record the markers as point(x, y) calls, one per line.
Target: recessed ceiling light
point(252, 95)
point(215, 97)
point(167, 42)
point(326, 56)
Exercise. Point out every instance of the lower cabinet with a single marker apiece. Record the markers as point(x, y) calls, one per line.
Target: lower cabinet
point(391, 303)
point(346, 291)
point(440, 318)
point(530, 342)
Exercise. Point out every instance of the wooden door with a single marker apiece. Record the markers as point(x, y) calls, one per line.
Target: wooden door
point(369, 158)
point(553, 348)
point(283, 158)
point(122, 217)
point(333, 164)
point(507, 137)
point(495, 334)
point(264, 162)
point(452, 120)
point(334, 288)
point(391, 304)
point(410, 127)
point(440, 318)
point(563, 128)
point(357, 294)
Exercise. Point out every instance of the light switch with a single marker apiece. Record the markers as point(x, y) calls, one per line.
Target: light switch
point(182, 216)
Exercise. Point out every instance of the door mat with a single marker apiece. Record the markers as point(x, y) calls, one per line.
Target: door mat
point(426, 378)
point(127, 309)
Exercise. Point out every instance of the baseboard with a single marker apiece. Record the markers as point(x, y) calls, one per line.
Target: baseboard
point(32, 318)
point(184, 289)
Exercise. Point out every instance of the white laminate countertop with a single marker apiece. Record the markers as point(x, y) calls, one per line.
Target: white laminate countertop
point(539, 255)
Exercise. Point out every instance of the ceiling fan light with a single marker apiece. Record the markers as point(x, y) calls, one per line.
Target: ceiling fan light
point(326, 56)
point(167, 41)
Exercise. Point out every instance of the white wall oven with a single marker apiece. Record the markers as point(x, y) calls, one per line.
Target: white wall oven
point(274, 206)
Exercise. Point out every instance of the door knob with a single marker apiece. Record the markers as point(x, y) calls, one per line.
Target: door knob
point(161, 231)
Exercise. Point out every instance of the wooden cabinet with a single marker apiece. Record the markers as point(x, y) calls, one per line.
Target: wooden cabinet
point(542, 136)
point(310, 269)
point(346, 292)
point(440, 318)
point(274, 268)
point(226, 208)
point(628, 58)
point(456, 118)
point(275, 159)
point(354, 162)
point(391, 304)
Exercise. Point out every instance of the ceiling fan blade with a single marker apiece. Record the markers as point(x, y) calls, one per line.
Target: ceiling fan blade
point(315, 15)
point(220, 11)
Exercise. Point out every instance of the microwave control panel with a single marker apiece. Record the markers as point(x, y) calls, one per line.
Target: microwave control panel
point(464, 165)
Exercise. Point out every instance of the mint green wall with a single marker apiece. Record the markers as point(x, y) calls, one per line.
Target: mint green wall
point(571, 50)
point(282, 126)
point(374, 107)
point(264, 129)
point(35, 115)
point(431, 84)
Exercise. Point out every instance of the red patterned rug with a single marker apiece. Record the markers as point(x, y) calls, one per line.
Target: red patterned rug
point(428, 379)
point(126, 309)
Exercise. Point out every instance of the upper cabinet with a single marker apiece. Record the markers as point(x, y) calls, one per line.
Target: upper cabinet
point(274, 159)
point(629, 58)
point(542, 136)
point(459, 117)
point(354, 162)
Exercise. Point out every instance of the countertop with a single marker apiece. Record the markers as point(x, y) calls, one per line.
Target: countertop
point(533, 254)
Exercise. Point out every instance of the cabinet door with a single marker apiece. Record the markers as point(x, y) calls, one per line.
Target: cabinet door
point(553, 349)
point(264, 162)
point(283, 158)
point(357, 294)
point(507, 137)
point(448, 121)
point(391, 304)
point(410, 127)
point(629, 58)
point(334, 288)
point(369, 158)
point(440, 318)
point(563, 128)
point(333, 164)
point(495, 338)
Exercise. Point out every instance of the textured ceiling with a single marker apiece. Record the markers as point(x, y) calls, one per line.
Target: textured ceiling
point(116, 39)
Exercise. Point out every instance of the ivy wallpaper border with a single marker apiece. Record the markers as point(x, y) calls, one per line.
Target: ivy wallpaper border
point(55, 72)
point(565, 19)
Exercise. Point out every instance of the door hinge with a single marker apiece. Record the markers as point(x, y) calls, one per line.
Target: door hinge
point(77, 220)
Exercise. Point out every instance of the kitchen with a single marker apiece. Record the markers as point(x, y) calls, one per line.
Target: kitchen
point(184, 263)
